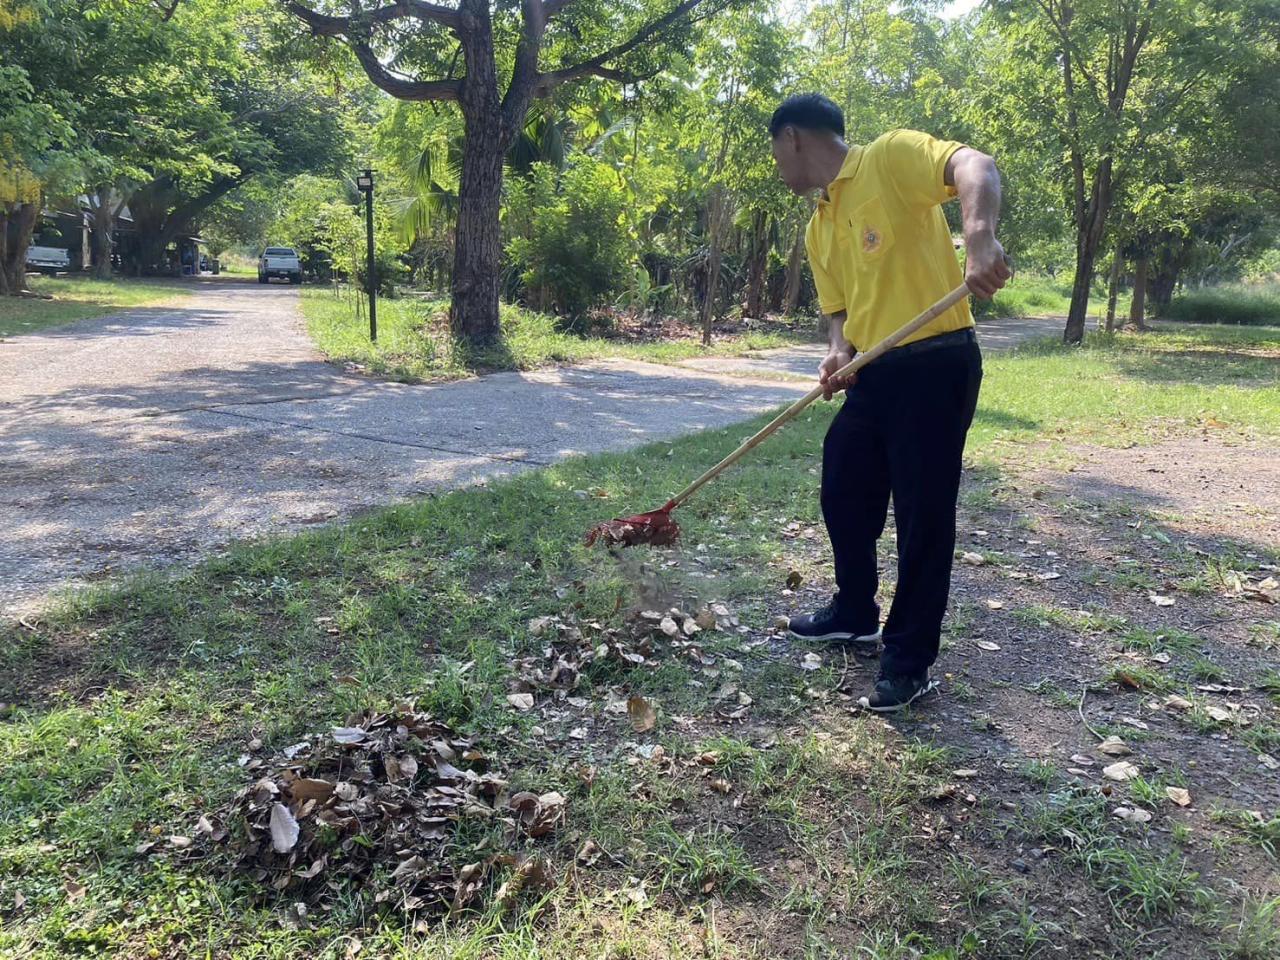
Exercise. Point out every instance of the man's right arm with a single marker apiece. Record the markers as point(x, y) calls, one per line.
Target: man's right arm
point(839, 353)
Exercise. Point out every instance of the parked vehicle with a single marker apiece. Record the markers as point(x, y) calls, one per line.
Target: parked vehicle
point(48, 260)
point(280, 262)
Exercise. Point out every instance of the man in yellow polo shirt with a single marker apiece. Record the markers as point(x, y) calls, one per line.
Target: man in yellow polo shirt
point(881, 253)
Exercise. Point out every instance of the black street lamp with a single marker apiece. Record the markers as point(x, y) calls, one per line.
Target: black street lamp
point(364, 183)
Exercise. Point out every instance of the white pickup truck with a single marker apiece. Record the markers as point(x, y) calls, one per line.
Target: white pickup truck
point(280, 262)
point(48, 259)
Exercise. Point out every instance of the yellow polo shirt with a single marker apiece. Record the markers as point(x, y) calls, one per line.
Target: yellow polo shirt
point(879, 247)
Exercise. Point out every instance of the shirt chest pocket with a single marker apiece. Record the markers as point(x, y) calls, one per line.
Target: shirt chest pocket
point(870, 232)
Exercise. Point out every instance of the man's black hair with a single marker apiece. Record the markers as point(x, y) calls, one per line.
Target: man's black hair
point(808, 111)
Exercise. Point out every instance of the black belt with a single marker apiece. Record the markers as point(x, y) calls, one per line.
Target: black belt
point(955, 338)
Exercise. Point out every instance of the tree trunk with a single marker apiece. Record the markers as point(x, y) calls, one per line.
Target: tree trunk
point(717, 215)
point(14, 263)
point(474, 310)
point(1089, 230)
point(1113, 288)
point(759, 264)
point(1137, 310)
point(795, 263)
point(103, 223)
point(4, 249)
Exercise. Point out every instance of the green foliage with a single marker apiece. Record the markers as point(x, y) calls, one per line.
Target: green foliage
point(570, 239)
point(1235, 304)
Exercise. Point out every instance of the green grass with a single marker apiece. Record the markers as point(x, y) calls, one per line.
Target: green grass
point(135, 698)
point(413, 344)
point(77, 298)
point(1249, 304)
point(1036, 295)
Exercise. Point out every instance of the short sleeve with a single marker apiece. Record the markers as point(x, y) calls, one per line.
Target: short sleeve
point(917, 163)
point(830, 296)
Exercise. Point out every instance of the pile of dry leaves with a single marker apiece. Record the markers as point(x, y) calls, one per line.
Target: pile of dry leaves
point(377, 802)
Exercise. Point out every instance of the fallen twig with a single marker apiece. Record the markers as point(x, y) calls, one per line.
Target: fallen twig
point(1084, 690)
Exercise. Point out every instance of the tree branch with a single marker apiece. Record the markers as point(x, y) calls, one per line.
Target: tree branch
point(595, 66)
point(323, 25)
point(402, 88)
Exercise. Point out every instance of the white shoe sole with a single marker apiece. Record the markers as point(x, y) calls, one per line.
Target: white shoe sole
point(865, 702)
point(843, 637)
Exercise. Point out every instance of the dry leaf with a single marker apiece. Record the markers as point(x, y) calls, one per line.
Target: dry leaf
point(1178, 795)
point(349, 734)
point(794, 579)
point(1113, 746)
point(284, 828)
point(669, 627)
point(521, 701)
point(1268, 761)
point(995, 604)
point(1132, 814)
point(643, 716)
point(1122, 771)
point(811, 661)
point(987, 645)
point(720, 785)
point(973, 559)
point(1159, 600)
point(305, 789)
point(179, 842)
point(74, 890)
point(964, 773)
point(706, 619)
point(1175, 702)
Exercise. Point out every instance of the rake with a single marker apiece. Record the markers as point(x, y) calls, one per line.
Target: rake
point(659, 528)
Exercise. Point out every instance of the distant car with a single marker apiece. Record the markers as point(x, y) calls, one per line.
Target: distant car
point(280, 262)
point(48, 259)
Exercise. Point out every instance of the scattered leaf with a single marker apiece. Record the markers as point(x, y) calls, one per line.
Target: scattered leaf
point(643, 716)
point(74, 890)
point(349, 734)
point(987, 645)
point(1132, 814)
point(995, 604)
point(284, 828)
point(973, 559)
point(794, 579)
point(1178, 795)
point(1159, 600)
point(1175, 702)
point(964, 773)
point(521, 701)
point(1121, 771)
point(1113, 746)
point(811, 661)
point(720, 785)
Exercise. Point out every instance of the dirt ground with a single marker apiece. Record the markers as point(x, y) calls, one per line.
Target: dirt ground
point(1132, 588)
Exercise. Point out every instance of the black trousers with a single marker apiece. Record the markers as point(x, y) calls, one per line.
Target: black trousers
point(901, 431)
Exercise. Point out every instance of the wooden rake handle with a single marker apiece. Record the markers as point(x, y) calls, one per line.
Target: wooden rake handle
point(853, 366)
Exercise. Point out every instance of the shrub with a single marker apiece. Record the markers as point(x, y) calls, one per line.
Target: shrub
point(1234, 303)
point(571, 242)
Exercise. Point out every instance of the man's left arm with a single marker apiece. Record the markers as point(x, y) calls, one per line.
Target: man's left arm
point(976, 180)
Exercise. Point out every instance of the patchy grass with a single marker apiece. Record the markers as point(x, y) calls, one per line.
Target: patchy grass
point(79, 298)
point(796, 829)
point(413, 344)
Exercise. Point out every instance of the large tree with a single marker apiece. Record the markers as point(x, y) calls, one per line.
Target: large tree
point(1106, 80)
point(417, 50)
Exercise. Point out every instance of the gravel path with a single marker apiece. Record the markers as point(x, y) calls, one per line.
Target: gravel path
point(159, 435)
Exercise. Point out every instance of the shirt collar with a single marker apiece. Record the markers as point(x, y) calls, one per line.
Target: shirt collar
point(848, 170)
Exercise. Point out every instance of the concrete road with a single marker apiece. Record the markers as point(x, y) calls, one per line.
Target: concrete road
point(156, 436)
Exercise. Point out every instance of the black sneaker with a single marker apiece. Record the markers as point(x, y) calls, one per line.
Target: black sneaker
point(829, 626)
point(895, 693)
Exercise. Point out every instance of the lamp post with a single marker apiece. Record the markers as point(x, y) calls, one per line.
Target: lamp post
point(364, 183)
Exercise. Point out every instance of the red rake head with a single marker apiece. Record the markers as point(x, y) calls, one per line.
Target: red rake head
point(656, 528)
